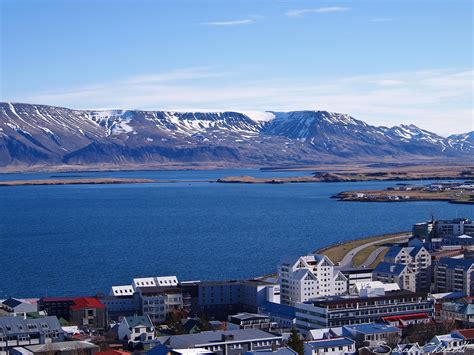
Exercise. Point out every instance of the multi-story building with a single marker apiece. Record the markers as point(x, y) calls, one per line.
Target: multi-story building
point(219, 299)
point(461, 312)
point(81, 311)
point(333, 346)
point(355, 275)
point(158, 301)
point(455, 275)
point(249, 321)
point(307, 277)
point(17, 331)
point(453, 228)
point(234, 342)
point(337, 311)
point(400, 274)
point(418, 258)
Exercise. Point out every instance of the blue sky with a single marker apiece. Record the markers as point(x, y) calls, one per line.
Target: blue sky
point(385, 62)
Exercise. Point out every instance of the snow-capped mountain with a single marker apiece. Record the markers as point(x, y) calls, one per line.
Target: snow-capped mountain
point(48, 135)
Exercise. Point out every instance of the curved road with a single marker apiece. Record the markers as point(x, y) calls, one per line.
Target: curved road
point(347, 259)
point(371, 258)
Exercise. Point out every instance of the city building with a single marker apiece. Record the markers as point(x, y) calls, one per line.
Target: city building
point(454, 274)
point(371, 333)
point(88, 312)
point(136, 329)
point(401, 274)
point(355, 274)
point(333, 346)
point(406, 320)
point(307, 277)
point(407, 349)
point(452, 228)
point(17, 332)
point(251, 321)
point(158, 301)
point(281, 314)
point(418, 258)
point(446, 343)
point(461, 312)
point(13, 305)
point(219, 299)
point(61, 348)
point(280, 351)
point(373, 288)
point(337, 311)
point(233, 342)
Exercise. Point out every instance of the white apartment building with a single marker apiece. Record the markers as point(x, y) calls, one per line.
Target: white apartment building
point(307, 277)
point(418, 259)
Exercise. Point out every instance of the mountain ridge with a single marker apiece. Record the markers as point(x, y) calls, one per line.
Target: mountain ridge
point(32, 134)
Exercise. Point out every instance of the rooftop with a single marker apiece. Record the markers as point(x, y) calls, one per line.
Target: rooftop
point(214, 337)
point(372, 328)
point(327, 343)
point(86, 302)
point(134, 321)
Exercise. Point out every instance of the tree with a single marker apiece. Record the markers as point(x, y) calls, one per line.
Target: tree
point(295, 342)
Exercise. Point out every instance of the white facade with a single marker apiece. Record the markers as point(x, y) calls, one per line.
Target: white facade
point(136, 328)
point(308, 277)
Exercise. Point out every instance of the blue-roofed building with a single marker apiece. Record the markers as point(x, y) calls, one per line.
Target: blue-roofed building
point(280, 351)
point(282, 314)
point(334, 346)
point(455, 275)
point(370, 333)
point(462, 312)
point(401, 274)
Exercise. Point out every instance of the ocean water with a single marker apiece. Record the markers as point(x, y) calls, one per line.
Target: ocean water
point(82, 239)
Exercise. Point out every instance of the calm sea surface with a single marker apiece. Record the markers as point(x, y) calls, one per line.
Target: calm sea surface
point(79, 240)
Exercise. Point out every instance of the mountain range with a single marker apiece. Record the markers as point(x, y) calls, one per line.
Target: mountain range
point(42, 135)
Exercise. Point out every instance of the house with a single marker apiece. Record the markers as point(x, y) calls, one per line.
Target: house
point(461, 312)
point(13, 305)
point(324, 333)
point(136, 329)
point(379, 349)
point(371, 333)
point(17, 331)
point(403, 275)
point(60, 348)
point(306, 277)
point(455, 275)
point(88, 312)
point(338, 311)
point(249, 320)
point(223, 342)
point(445, 343)
point(405, 320)
point(334, 346)
point(467, 334)
point(407, 349)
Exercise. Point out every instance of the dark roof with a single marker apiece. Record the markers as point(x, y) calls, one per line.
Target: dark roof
point(11, 302)
point(464, 264)
point(278, 309)
point(18, 325)
point(186, 341)
point(336, 300)
point(134, 321)
point(390, 268)
point(327, 343)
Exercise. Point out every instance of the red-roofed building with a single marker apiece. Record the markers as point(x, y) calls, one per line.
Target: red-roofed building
point(113, 352)
point(86, 312)
point(405, 320)
point(467, 334)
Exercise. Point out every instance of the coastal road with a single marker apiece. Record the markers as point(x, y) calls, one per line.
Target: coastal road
point(347, 259)
point(371, 258)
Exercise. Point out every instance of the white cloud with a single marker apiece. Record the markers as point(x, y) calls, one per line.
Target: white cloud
point(439, 100)
point(319, 10)
point(247, 21)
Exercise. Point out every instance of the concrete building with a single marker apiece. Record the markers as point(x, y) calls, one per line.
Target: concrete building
point(454, 275)
point(251, 321)
point(62, 348)
point(418, 258)
point(17, 332)
point(452, 228)
point(334, 346)
point(136, 329)
point(354, 274)
point(461, 312)
point(13, 305)
point(158, 301)
point(371, 333)
point(281, 314)
point(219, 299)
point(233, 342)
point(400, 274)
point(88, 312)
point(307, 277)
point(338, 311)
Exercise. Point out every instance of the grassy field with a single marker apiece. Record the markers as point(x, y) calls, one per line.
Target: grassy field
point(337, 252)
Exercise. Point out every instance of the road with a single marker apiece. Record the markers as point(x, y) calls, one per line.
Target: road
point(371, 258)
point(347, 259)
